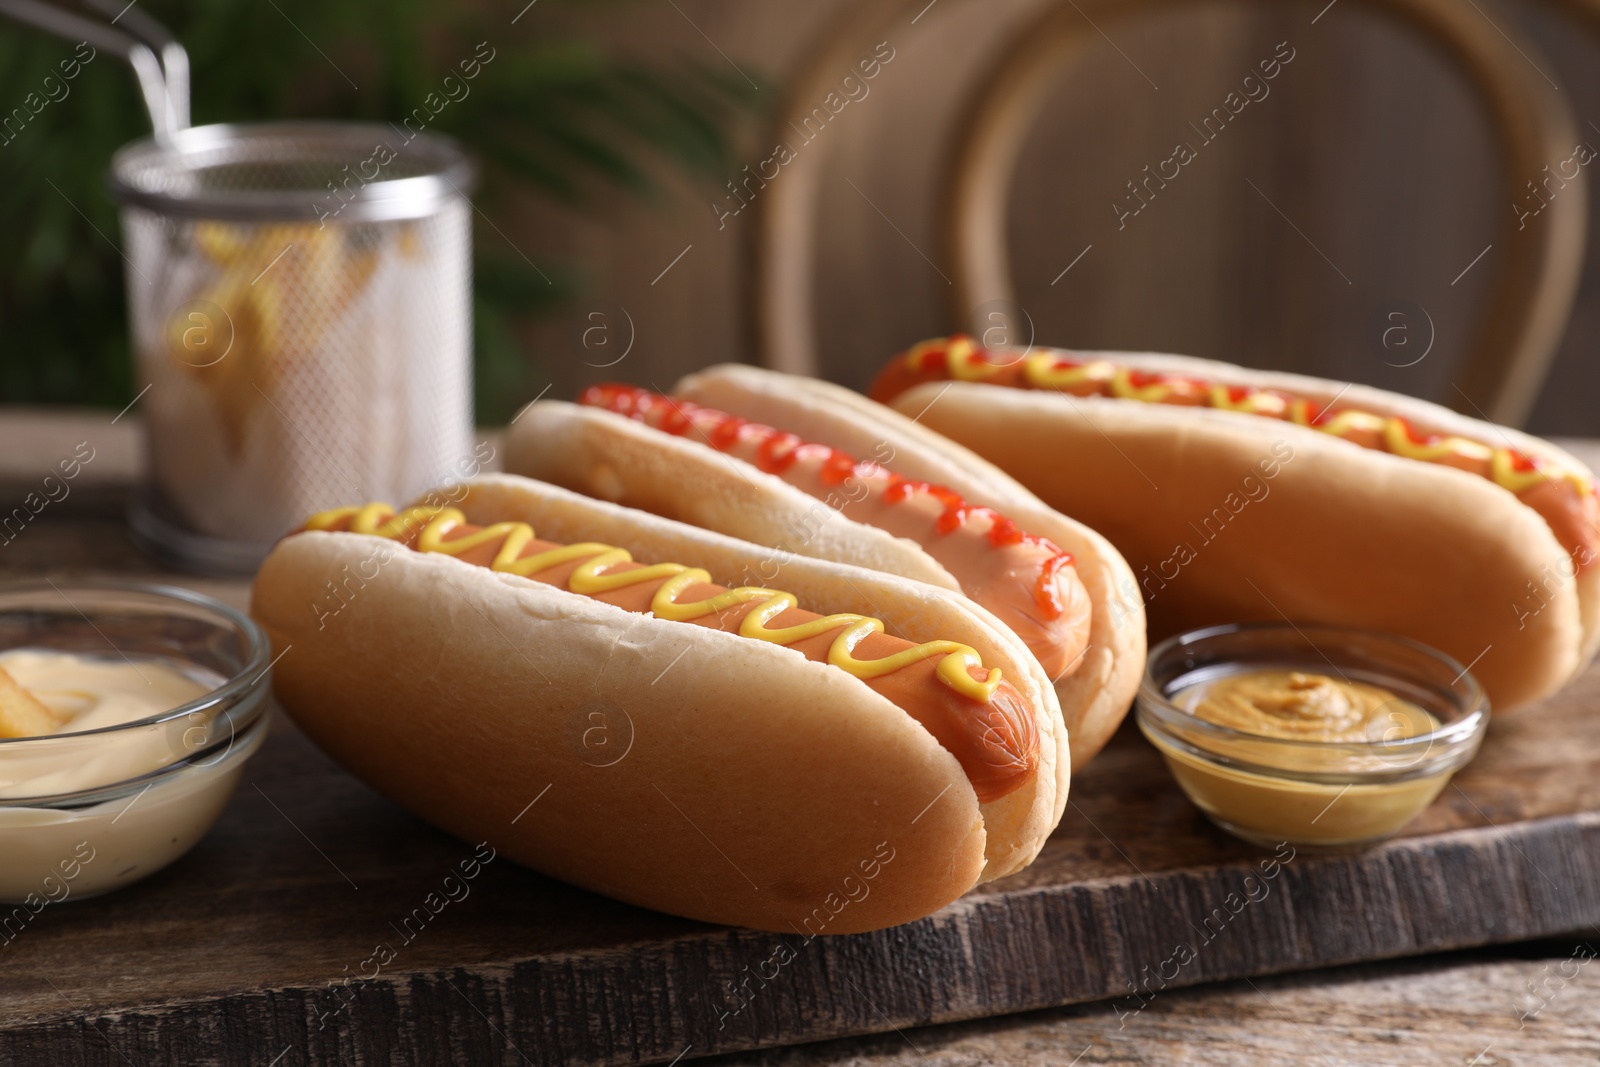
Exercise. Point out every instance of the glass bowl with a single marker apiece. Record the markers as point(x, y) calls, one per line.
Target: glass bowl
point(1310, 793)
point(135, 796)
point(79, 846)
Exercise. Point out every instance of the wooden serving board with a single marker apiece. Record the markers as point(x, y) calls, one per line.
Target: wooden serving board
point(240, 952)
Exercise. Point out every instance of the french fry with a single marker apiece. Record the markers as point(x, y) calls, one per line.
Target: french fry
point(282, 288)
point(21, 713)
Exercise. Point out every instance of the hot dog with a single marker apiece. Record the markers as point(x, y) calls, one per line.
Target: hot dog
point(1026, 580)
point(1447, 489)
point(788, 475)
point(968, 708)
point(1562, 493)
point(454, 652)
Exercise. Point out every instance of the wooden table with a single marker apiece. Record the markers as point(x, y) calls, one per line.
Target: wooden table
point(307, 863)
point(1461, 1010)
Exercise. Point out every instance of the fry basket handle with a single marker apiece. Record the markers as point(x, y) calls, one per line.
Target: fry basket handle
point(158, 60)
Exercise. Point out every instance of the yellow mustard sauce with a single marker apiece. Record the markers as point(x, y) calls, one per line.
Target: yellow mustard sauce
point(592, 577)
point(1048, 370)
point(1285, 800)
point(1298, 706)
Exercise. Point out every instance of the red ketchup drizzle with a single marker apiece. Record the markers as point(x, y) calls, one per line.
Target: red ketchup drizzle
point(777, 451)
point(1418, 438)
point(1322, 418)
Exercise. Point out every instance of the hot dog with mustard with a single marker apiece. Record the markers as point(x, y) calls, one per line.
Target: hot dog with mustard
point(1389, 512)
point(483, 634)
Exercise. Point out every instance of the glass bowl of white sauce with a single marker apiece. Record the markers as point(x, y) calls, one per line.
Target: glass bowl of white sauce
point(139, 706)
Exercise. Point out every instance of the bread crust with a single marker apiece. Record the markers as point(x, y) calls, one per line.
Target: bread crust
point(611, 457)
point(1339, 534)
point(1097, 695)
point(753, 781)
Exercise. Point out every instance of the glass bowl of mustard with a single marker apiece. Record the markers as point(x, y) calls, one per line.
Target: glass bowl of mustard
point(1318, 736)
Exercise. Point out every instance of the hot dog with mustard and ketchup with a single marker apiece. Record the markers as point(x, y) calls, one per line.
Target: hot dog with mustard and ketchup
point(779, 460)
point(487, 644)
point(1362, 507)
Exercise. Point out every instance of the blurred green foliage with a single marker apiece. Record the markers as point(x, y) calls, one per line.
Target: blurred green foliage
point(552, 113)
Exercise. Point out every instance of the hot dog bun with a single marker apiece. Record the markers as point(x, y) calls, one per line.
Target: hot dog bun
point(745, 783)
point(1095, 696)
point(1336, 533)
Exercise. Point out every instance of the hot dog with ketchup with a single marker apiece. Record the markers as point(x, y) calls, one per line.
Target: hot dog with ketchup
point(467, 652)
point(1026, 580)
point(1391, 512)
point(743, 468)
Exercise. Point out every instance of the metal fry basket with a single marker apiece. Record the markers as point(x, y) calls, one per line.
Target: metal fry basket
point(305, 334)
point(300, 308)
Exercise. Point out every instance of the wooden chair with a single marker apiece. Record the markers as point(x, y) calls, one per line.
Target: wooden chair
point(1537, 279)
